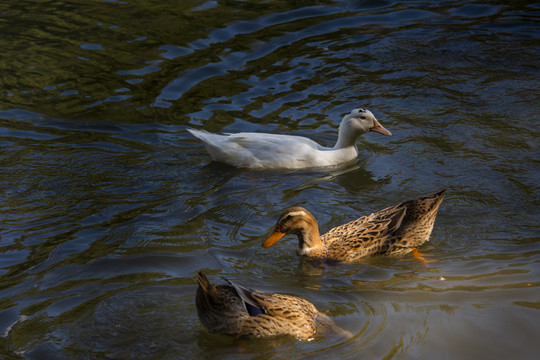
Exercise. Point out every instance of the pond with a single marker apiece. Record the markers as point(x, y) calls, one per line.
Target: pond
point(110, 207)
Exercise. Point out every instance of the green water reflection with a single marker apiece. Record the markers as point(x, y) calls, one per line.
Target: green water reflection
point(109, 207)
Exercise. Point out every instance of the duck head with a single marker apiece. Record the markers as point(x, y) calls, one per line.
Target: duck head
point(300, 222)
point(356, 123)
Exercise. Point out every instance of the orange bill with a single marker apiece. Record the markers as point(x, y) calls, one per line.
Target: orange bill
point(377, 127)
point(272, 239)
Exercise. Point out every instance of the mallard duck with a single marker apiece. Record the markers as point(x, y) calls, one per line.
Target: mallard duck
point(273, 151)
point(397, 229)
point(234, 310)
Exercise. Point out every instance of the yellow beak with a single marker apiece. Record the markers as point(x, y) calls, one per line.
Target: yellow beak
point(272, 239)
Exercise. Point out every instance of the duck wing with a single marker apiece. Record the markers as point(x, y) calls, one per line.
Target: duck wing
point(253, 307)
point(274, 151)
point(364, 236)
point(259, 150)
point(278, 305)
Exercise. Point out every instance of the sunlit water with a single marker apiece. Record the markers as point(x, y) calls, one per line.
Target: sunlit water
point(109, 207)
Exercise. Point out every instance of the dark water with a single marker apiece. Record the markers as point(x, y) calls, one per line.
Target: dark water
point(109, 207)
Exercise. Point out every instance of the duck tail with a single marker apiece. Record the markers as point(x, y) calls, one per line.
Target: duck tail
point(421, 214)
point(201, 134)
point(424, 204)
point(203, 282)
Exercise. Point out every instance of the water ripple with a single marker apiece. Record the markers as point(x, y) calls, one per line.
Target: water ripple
point(110, 207)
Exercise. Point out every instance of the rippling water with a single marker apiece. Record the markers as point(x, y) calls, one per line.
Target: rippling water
point(109, 207)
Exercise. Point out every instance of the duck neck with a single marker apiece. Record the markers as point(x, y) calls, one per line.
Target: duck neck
point(310, 244)
point(346, 137)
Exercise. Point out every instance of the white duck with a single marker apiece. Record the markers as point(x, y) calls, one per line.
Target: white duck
point(273, 151)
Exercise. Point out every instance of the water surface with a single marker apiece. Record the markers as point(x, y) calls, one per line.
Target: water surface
point(110, 207)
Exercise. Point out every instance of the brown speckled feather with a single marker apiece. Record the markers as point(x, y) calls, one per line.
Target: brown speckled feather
point(394, 230)
point(222, 309)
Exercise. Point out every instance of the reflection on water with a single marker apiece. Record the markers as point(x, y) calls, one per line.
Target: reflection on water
point(109, 207)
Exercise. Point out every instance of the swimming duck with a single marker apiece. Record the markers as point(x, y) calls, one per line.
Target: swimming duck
point(274, 151)
point(232, 309)
point(398, 229)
